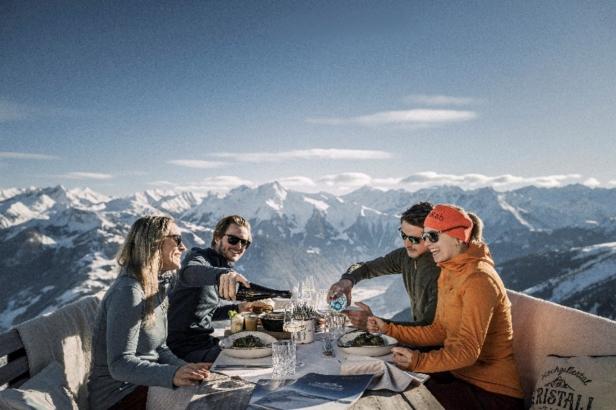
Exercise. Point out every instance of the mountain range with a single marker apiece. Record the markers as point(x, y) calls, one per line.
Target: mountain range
point(59, 244)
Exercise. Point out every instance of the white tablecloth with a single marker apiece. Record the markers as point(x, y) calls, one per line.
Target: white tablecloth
point(310, 354)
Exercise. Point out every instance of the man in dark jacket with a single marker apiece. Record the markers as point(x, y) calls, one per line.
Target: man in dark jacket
point(413, 261)
point(205, 277)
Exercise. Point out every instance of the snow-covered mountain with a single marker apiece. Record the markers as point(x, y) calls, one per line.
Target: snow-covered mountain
point(59, 244)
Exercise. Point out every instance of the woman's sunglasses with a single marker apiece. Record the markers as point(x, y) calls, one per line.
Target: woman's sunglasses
point(415, 240)
point(234, 240)
point(434, 236)
point(176, 238)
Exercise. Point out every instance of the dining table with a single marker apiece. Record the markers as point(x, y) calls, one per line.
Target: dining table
point(232, 381)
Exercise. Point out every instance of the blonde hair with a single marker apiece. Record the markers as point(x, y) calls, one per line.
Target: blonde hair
point(477, 231)
point(141, 256)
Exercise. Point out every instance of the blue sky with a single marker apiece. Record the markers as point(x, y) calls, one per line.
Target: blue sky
point(127, 96)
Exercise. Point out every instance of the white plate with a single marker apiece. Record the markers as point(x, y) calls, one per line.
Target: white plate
point(226, 345)
point(366, 350)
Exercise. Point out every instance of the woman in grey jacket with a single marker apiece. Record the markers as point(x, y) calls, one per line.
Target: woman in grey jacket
point(129, 343)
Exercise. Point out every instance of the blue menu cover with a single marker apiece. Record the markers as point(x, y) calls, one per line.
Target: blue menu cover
point(310, 391)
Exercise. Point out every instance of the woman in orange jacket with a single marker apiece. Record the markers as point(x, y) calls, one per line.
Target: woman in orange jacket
point(475, 367)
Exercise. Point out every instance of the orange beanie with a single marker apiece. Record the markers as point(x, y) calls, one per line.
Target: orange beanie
point(449, 219)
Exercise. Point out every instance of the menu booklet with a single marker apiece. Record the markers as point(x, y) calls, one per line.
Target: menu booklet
point(310, 391)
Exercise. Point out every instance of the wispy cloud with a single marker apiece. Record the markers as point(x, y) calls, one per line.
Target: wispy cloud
point(346, 182)
point(86, 175)
point(426, 99)
point(25, 155)
point(499, 182)
point(297, 182)
point(218, 184)
point(307, 154)
point(422, 116)
point(196, 163)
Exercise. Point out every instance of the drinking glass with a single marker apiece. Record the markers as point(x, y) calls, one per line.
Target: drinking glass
point(336, 323)
point(237, 323)
point(250, 322)
point(293, 326)
point(283, 359)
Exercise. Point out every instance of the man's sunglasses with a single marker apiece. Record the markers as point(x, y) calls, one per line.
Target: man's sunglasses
point(234, 240)
point(434, 236)
point(176, 238)
point(415, 240)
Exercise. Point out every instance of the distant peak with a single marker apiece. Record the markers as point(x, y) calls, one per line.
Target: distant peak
point(273, 188)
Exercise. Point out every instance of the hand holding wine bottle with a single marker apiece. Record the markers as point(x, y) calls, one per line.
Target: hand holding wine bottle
point(227, 284)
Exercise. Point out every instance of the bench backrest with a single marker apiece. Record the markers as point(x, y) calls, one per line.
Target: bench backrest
point(14, 371)
point(541, 328)
point(64, 336)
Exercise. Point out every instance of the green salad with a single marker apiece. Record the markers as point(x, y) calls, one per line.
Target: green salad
point(366, 339)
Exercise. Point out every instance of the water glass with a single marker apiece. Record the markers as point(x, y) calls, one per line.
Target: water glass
point(335, 324)
point(283, 359)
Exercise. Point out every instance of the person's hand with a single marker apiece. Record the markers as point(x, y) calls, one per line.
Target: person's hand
point(403, 357)
point(340, 287)
point(376, 325)
point(227, 285)
point(252, 306)
point(191, 374)
point(359, 318)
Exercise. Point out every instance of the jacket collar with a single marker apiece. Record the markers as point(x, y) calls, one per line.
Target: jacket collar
point(470, 258)
point(425, 258)
point(219, 260)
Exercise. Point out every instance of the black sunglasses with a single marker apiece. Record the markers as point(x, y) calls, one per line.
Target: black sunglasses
point(176, 238)
point(415, 240)
point(234, 240)
point(434, 236)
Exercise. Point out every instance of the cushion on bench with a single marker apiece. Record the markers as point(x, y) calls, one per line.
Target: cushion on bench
point(542, 328)
point(64, 336)
point(46, 390)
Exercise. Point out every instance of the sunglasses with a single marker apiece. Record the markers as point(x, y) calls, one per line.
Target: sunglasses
point(234, 240)
point(415, 240)
point(176, 238)
point(434, 236)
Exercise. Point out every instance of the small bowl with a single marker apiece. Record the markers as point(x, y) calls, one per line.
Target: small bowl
point(272, 322)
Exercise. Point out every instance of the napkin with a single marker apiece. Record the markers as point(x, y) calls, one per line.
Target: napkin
point(224, 359)
point(387, 376)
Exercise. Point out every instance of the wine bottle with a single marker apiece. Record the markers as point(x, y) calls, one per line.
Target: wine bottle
point(256, 292)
